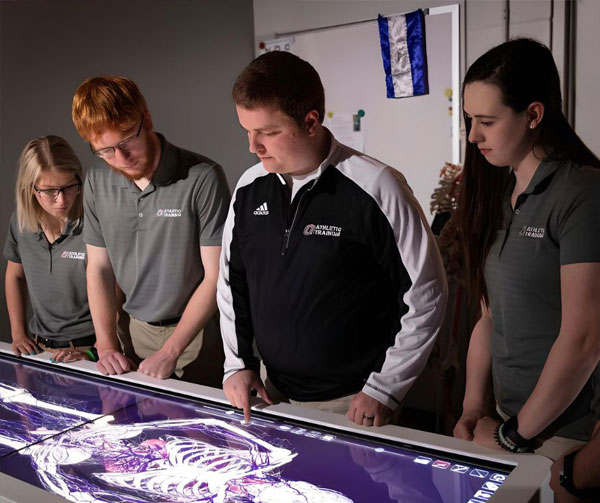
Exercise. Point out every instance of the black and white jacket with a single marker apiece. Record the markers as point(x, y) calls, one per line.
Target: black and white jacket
point(341, 289)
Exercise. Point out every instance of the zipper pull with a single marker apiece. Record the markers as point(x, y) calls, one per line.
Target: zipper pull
point(285, 242)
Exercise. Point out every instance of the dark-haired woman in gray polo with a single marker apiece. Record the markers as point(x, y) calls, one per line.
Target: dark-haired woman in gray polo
point(529, 215)
point(46, 255)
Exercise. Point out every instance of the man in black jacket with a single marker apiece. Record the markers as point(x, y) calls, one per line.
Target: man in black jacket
point(328, 264)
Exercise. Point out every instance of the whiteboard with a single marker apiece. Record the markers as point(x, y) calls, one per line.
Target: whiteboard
point(413, 135)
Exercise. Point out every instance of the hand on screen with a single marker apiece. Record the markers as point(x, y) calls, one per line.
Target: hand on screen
point(237, 388)
point(112, 362)
point(466, 424)
point(368, 411)
point(159, 365)
point(24, 346)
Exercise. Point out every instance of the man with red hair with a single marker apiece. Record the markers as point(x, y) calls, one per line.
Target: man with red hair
point(154, 218)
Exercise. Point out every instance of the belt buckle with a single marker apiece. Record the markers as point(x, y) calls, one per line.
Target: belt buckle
point(49, 343)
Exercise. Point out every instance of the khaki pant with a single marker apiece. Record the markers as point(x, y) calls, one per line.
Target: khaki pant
point(337, 405)
point(148, 339)
point(200, 363)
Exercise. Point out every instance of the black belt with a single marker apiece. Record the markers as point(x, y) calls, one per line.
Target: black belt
point(88, 340)
point(165, 323)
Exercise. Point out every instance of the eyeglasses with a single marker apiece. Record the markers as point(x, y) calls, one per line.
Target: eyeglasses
point(52, 194)
point(124, 145)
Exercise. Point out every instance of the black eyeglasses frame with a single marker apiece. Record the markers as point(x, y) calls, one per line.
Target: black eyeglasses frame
point(108, 152)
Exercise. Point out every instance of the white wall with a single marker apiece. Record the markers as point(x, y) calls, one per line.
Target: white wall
point(483, 22)
point(483, 25)
point(587, 73)
point(280, 16)
point(184, 55)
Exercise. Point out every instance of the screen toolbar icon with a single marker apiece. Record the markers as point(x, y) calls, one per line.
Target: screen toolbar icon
point(490, 486)
point(423, 460)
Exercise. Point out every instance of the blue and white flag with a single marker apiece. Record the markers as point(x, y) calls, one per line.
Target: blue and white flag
point(402, 40)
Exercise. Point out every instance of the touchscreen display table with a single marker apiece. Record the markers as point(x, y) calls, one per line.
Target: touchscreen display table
point(88, 439)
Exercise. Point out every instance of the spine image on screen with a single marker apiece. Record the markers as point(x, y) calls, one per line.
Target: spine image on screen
point(170, 460)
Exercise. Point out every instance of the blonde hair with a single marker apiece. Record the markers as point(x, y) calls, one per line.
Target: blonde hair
point(106, 102)
point(39, 156)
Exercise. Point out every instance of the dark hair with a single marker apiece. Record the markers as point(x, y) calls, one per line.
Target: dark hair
point(525, 72)
point(281, 79)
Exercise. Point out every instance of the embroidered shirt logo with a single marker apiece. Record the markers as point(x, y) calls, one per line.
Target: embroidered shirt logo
point(263, 209)
point(529, 231)
point(322, 230)
point(168, 213)
point(73, 255)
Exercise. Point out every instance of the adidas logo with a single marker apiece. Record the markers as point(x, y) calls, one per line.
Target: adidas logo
point(262, 210)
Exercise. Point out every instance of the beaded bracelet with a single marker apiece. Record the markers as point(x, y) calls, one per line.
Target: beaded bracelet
point(508, 437)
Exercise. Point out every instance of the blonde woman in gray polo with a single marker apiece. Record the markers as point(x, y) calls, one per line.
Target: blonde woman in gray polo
point(46, 255)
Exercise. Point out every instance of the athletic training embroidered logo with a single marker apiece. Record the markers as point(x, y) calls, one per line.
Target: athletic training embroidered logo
point(529, 231)
point(73, 255)
point(322, 230)
point(262, 209)
point(169, 213)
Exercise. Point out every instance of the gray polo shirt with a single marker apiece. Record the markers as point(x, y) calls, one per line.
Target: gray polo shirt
point(153, 237)
point(55, 274)
point(556, 221)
